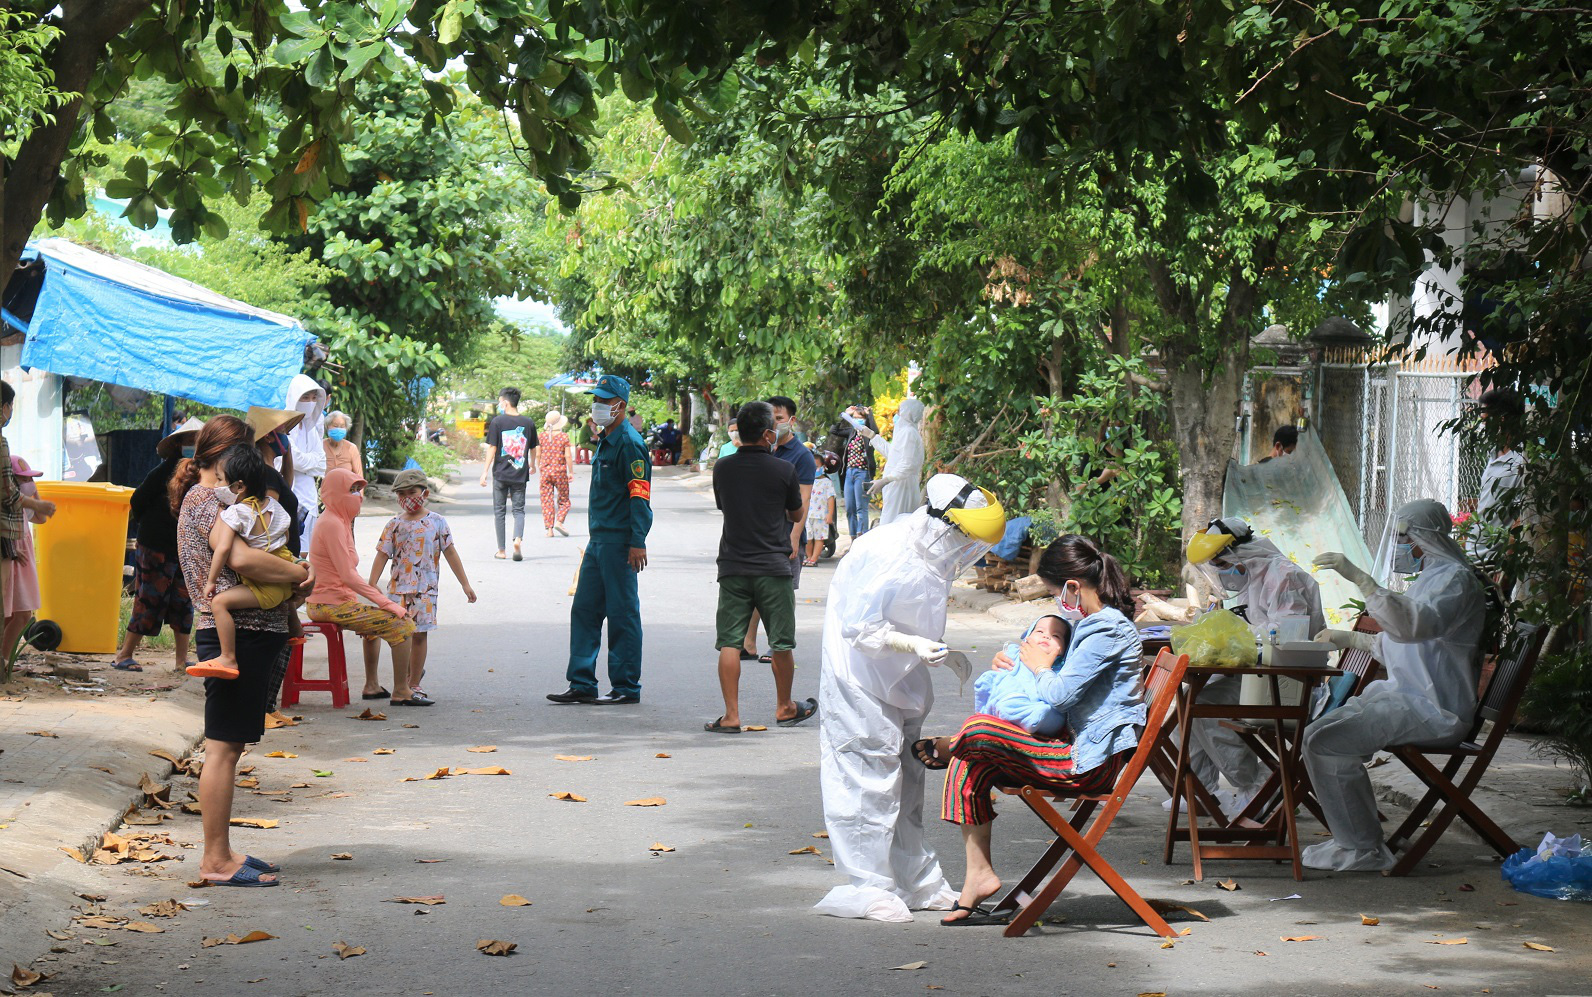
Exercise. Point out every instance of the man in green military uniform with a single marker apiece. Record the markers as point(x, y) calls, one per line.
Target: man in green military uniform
point(620, 511)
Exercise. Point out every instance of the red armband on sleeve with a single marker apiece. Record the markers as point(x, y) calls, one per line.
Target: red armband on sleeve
point(641, 490)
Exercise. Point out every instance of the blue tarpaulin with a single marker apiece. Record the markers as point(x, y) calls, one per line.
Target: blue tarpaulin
point(110, 319)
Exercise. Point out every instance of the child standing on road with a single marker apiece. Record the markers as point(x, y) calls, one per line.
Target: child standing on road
point(249, 518)
point(820, 517)
point(415, 541)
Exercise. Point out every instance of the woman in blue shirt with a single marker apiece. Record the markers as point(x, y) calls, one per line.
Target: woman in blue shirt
point(1098, 692)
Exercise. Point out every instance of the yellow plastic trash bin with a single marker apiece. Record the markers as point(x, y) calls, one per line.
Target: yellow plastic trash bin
point(80, 553)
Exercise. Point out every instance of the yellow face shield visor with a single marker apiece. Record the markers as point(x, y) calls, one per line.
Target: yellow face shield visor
point(1204, 545)
point(987, 524)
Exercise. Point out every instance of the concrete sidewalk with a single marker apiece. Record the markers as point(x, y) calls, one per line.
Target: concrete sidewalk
point(68, 784)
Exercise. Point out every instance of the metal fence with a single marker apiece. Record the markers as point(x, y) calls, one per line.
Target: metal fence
point(1385, 429)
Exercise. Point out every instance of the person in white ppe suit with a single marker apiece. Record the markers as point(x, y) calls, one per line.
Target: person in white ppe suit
point(1430, 646)
point(903, 469)
point(1273, 588)
point(883, 628)
point(309, 456)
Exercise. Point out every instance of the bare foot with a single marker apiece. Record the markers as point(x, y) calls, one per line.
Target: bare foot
point(223, 872)
point(974, 892)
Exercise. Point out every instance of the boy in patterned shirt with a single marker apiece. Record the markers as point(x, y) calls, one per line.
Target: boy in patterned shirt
point(415, 541)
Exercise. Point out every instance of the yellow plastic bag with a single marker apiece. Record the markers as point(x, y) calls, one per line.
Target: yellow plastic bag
point(1218, 639)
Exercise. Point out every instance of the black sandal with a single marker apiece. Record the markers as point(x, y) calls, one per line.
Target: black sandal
point(719, 727)
point(979, 916)
point(923, 751)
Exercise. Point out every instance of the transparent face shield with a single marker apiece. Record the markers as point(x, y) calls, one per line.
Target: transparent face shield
point(951, 551)
point(1420, 528)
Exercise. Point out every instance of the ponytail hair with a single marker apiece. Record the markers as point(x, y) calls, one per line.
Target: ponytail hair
point(1077, 557)
point(218, 435)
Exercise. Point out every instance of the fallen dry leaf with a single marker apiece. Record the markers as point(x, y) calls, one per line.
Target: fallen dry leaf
point(663, 754)
point(755, 727)
point(1537, 946)
point(347, 951)
point(369, 714)
point(658, 846)
point(573, 758)
point(804, 850)
point(428, 901)
point(43, 733)
point(650, 801)
point(571, 797)
point(441, 773)
point(1229, 885)
point(264, 825)
point(1367, 919)
point(411, 726)
point(514, 900)
point(342, 857)
point(75, 853)
point(1300, 938)
point(1448, 941)
point(247, 784)
point(1168, 944)
point(489, 770)
point(165, 908)
point(272, 722)
point(26, 977)
point(280, 754)
point(1153, 993)
point(253, 936)
point(490, 946)
point(483, 749)
point(385, 751)
point(143, 926)
point(1167, 907)
point(911, 966)
point(820, 834)
point(168, 756)
point(356, 760)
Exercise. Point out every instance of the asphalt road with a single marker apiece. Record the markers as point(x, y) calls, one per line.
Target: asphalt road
point(727, 912)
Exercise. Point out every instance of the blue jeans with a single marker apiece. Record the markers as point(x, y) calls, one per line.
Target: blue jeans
point(857, 500)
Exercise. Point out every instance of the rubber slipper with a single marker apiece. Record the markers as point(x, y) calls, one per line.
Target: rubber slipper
point(379, 694)
point(127, 666)
point(261, 864)
point(412, 701)
point(210, 670)
point(976, 917)
point(923, 751)
point(766, 659)
point(804, 711)
point(748, 655)
point(718, 727)
point(245, 876)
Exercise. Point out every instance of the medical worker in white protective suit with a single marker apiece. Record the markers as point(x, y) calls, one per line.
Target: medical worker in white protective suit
point(884, 626)
point(1430, 646)
point(309, 456)
point(903, 467)
point(1273, 588)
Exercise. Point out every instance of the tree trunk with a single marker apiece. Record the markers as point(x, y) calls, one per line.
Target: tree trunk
point(1204, 407)
point(86, 27)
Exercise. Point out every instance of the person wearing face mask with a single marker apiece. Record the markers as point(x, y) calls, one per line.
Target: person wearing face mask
point(1430, 647)
point(619, 516)
point(308, 455)
point(1272, 588)
point(340, 451)
point(1098, 692)
point(883, 628)
point(415, 542)
point(903, 468)
point(160, 594)
point(790, 450)
point(340, 586)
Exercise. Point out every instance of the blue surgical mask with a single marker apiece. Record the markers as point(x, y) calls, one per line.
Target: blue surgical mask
point(338, 434)
point(1232, 578)
point(1404, 560)
point(188, 452)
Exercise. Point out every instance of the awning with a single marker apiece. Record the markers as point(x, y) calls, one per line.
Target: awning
point(581, 380)
point(111, 319)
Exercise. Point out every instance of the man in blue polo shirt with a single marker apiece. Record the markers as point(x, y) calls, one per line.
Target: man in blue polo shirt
point(619, 507)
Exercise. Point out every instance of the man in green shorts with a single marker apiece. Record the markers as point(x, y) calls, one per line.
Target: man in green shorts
point(760, 498)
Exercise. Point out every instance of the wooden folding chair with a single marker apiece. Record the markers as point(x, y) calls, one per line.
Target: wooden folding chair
point(1498, 704)
point(1078, 844)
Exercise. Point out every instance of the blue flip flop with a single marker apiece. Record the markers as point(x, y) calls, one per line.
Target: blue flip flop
point(261, 864)
point(246, 875)
point(128, 665)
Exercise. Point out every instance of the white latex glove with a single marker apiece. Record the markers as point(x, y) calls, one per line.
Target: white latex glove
point(933, 652)
point(867, 433)
point(1334, 561)
point(1343, 640)
point(877, 485)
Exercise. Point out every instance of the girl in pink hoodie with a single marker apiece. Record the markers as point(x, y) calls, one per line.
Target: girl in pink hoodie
point(338, 583)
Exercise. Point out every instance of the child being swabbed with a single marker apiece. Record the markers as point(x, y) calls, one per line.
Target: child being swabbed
point(249, 518)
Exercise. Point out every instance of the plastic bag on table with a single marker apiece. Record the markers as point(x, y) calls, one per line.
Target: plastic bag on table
point(1218, 639)
point(1557, 869)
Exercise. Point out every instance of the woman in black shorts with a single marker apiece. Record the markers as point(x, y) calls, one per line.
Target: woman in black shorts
point(234, 708)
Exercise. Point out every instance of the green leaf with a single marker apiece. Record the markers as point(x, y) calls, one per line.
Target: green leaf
point(320, 69)
point(570, 96)
point(451, 25)
point(296, 50)
point(673, 122)
point(122, 189)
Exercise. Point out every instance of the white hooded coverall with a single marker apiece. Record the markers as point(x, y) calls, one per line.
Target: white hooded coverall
point(872, 701)
point(1429, 645)
point(1274, 587)
point(904, 457)
point(309, 456)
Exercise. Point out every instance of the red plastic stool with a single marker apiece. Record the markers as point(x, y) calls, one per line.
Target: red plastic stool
point(336, 681)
